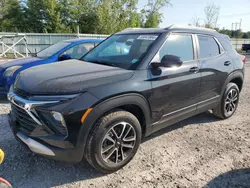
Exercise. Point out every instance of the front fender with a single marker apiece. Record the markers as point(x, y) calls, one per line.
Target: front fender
point(115, 102)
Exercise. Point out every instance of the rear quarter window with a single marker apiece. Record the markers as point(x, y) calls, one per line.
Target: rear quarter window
point(208, 47)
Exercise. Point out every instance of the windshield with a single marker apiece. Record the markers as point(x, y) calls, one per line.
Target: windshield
point(51, 50)
point(125, 51)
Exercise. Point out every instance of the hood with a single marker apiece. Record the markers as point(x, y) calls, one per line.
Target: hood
point(21, 61)
point(68, 77)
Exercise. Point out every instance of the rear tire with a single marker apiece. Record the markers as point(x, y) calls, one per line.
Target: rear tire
point(113, 141)
point(229, 102)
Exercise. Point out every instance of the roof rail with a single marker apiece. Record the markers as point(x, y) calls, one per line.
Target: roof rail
point(131, 28)
point(188, 27)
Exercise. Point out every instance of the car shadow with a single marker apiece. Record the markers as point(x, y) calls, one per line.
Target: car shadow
point(23, 168)
point(3, 99)
point(205, 117)
point(231, 179)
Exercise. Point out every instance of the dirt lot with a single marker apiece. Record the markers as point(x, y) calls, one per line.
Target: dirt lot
point(200, 151)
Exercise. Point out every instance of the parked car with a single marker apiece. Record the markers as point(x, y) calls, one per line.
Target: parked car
point(245, 47)
point(102, 106)
point(68, 49)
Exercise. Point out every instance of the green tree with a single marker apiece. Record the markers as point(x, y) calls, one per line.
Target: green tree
point(44, 16)
point(12, 17)
point(246, 35)
point(237, 34)
point(116, 15)
point(151, 14)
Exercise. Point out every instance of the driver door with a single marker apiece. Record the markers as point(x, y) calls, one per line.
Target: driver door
point(175, 89)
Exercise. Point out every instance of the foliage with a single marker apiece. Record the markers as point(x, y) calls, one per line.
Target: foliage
point(12, 16)
point(211, 15)
point(235, 34)
point(91, 16)
point(151, 13)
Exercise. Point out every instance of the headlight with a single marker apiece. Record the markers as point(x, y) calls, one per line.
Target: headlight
point(10, 71)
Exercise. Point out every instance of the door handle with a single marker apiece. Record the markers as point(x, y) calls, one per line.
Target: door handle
point(227, 63)
point(194, 69)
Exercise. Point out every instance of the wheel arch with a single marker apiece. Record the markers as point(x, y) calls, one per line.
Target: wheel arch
point(236, 77)
point(125, 102)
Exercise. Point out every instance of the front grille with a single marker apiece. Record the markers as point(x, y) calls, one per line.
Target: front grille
point(25, 123)
point(21, 93)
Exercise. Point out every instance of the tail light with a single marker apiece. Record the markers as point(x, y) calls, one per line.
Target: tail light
point(243, 58)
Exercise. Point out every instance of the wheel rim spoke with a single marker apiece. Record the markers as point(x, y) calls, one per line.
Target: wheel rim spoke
point(107, 148)
point(233, 105)
point(122, 154)
point(235, 98)
point(231, 101)
point(230, 94)
point(117, 156)
point(129, 139)
point(118, 143)
point(110, 154)
point(109, 138)
point(127, 133)
point(127, 146)
point(114, 132)
point(123, 129)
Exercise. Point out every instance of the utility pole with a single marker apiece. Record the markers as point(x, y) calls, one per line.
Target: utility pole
point(240, 24)
point(235, 26)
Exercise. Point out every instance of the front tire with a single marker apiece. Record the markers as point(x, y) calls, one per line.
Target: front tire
point(229, 102)
point(113, 141)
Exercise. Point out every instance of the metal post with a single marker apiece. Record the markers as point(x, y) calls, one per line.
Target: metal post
point(14, 49)
point(26, 46)
point(78, 31)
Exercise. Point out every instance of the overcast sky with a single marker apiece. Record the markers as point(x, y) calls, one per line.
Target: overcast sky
point(182, 11)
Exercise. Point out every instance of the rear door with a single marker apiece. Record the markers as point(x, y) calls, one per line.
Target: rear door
point(175, 89)
point(215, 65)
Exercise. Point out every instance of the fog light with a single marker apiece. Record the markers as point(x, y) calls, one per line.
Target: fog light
point(54, 121)
point(58, 117)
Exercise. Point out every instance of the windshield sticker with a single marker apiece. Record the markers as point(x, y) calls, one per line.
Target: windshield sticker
point(147, 37)
point(134, 60)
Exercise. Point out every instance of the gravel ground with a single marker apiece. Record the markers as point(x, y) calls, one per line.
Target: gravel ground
point(198, 152)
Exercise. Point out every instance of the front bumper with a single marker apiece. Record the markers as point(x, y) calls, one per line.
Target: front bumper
point(70, 155)
point(35, 133)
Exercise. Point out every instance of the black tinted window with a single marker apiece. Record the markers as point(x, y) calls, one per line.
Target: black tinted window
point(208, 47)
point(178, 45)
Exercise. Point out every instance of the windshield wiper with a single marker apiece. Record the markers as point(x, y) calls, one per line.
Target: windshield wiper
point(103, 63)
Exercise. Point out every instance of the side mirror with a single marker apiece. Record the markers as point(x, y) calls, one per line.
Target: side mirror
point(171, 61)
point(64, 57)
point(168, 61)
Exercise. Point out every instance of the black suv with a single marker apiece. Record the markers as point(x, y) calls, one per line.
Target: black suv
point(134, 83)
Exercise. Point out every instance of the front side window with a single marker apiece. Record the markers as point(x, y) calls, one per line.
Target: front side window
point(53, 49)
point(122, 50)
point(76, 52)
point(208, 47)
point(179, 45)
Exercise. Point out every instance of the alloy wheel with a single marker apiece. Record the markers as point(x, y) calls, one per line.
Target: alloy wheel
point(231, 102)
point(118, 143)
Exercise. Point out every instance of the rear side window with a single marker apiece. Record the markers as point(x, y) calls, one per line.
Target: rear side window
point(208, 47)
point(178, 45)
